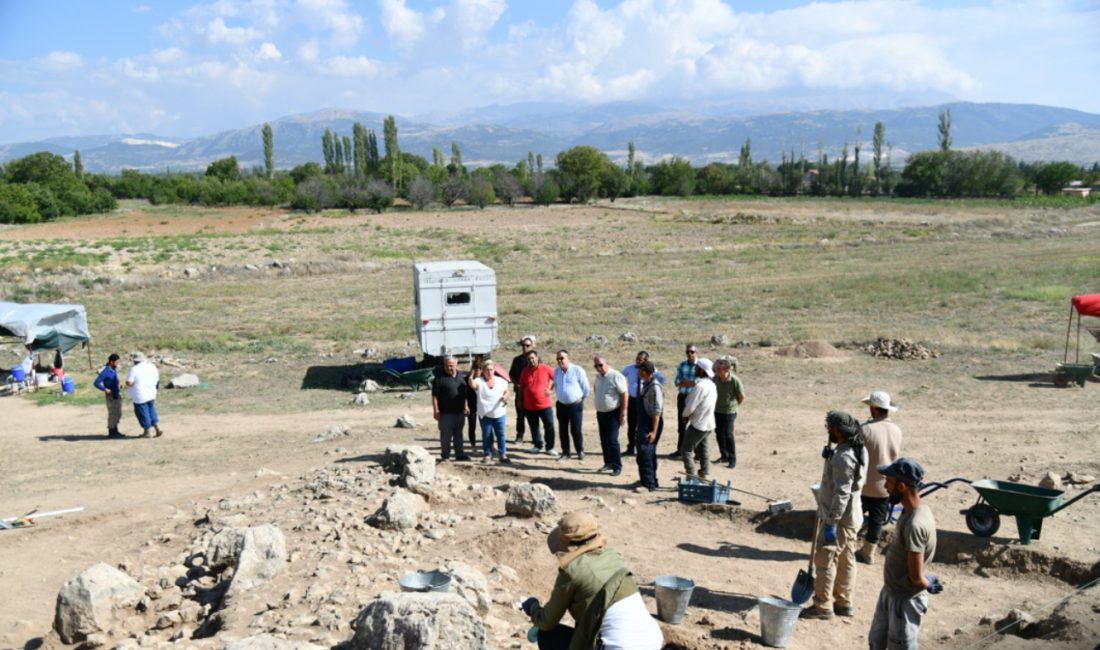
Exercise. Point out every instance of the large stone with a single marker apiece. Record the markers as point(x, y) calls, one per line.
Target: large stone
point(186, 380)
point(95, 601)
point(262, 556)
point(414, 466)
point(223, 549)
point(469, 584)
point(421, 621)
point(405, 422)
point(400, 511)
point(530, 500)
point(269, 642)
point(1052, 481)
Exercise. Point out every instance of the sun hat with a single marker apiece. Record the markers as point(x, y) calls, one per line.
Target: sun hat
point(526, 338)
point(706, 366)
point(137, 357)
point(881, 399)
point(576, 534)
point(907, 471)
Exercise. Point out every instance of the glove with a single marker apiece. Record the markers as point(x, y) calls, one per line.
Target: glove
point(828, 533)
point(934, 585)
point(529, 605)
point(826, 452)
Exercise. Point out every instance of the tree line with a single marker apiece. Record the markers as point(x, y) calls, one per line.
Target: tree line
point(356, 174)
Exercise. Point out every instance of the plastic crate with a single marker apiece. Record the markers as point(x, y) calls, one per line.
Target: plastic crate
point(400, 364)
point(700, 492)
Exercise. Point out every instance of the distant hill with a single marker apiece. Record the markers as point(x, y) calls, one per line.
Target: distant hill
point(506, 133)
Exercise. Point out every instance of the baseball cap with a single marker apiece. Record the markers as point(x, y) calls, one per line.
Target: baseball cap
point(881, 399)
point(907, 471)
point(706, 366)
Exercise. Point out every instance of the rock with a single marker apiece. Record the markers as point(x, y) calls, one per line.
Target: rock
point(1073, 478)
point(1013, 623)
point(223, 549)
point(629, 337)
point(269, 642)
point(426, 621)
point(369, 386)
point(469, 584)
point(405, 422)
point(598, 339)
point(1051, 481)
point(190, 272)
point(95, 601)
point(334, 432)
point(251, 267)
point(530, 500)
point(360, 399)
point(185, 380)
point(414, 465)
point(720, 340)
point(400, 511)
point(899, 349)
point(262, 556)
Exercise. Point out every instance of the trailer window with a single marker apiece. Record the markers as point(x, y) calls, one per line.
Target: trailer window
point(461, 298)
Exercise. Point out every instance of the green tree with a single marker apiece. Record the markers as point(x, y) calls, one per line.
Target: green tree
point(348, 157)
point(225, 169)
point(78, 164)
point(421, 192)
point(455, 166)
point(359, 149)
point(925, 174)
point(547, 191)
point(305, 171)
point(945, 130)
point(581, 170)
point(855, 186)
point(437, 158)
point(269, 151)
point(673, 177)
point(329, 152)
point(373, 161)
point(481, 191)
point(17, 204)
point(393, 153)
point(337, 154)
point(630, 158)
point(455, 188)
point(877, 140)
point(1052, 177)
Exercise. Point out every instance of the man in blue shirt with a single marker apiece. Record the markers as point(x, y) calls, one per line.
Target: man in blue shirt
point(685, 381)
point(107, 381)
point(571, 388)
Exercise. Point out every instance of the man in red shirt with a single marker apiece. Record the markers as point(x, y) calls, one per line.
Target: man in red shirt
point(536, 386)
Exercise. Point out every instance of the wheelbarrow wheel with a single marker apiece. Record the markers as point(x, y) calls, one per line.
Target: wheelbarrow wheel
point(1061, 380)
point(983, 520)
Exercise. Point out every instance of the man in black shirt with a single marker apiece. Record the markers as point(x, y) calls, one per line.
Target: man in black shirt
point(449, 408)
point(519, 362)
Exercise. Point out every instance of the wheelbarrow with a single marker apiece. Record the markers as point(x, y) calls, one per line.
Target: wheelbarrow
point(1028, 503)
point(411, 378)
point(1077, 372)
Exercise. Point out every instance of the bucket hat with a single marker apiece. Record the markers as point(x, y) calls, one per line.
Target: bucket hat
point(881, 399)
point(137, 357)
point(577, 533)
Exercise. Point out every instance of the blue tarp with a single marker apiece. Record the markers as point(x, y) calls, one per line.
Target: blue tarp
point(45, 326)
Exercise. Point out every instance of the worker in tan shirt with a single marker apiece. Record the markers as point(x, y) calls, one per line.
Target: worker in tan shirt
point(882, 439)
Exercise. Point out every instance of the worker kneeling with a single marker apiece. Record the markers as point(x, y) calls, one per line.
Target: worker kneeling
point(597, 589)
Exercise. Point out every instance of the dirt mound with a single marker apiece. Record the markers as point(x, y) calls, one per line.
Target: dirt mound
point(900, 349)
point(810, 350)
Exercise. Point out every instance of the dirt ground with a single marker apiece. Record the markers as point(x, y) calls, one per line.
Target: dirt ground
point(963, 414)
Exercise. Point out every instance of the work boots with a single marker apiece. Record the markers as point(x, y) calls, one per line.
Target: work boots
point(113, 432)
point(866, 553)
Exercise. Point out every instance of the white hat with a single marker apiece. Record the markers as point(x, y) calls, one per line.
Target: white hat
point(706, 365)
point(137, 357)
point(881, 399)
point(526, 338)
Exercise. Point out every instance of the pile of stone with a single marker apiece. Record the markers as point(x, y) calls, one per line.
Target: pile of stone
point(899, 349)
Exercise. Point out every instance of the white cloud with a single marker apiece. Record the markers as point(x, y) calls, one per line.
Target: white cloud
point(268, 52)
point(140, 9)
point(334, 16)
point(309, 51)
point(168, 56)
point(218, 32)
point(61, 61)
point(402, 24)
point(348, 66)
point(133, 69)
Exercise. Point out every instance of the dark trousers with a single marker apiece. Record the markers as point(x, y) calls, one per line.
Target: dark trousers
point(521, 426)
point(631, 424)
point(681, 399)
point(570, 417)
point(876, 509)
point(558, 638)
point(471, 422)
point(609, 438)
point(723, 431)
point(647, 451)
point(546, 418)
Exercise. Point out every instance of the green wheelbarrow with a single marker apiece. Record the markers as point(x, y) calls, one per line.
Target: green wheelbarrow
point(411, 378)
point(1028, 503)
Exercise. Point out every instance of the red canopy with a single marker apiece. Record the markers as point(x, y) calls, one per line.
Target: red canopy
point(1088, 304)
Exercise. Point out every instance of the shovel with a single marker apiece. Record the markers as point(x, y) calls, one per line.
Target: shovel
point(803, 587)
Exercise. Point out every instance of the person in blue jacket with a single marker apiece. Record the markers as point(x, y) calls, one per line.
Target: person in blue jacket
point(107, 381)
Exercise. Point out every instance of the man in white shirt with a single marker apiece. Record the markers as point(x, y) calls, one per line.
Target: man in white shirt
point(698, 420)
point(141, 386)
point(612, 403)
point(571, 387)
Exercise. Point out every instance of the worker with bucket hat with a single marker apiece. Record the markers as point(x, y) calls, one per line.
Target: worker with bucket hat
point(882, 439)
point(597, 589)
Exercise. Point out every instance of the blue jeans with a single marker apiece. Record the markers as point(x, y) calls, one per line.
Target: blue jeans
point(723, 431)
point(609, 438)
point(546, 417)
point(570, 417)
point(492, 427)
point(147, 414)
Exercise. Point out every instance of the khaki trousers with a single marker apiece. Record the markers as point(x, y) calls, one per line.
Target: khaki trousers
point(835, 567)
point(114, 411)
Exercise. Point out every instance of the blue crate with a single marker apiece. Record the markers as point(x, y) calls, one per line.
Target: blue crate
point(700, 492)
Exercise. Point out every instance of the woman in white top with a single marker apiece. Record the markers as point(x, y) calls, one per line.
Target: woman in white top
point(492, 405)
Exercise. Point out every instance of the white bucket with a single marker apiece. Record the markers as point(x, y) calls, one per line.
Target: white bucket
point(777, 619)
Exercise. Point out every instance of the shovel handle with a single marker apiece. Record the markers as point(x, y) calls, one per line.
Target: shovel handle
point(813, 543)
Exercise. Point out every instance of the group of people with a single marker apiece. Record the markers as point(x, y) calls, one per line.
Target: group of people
point(142, 382)
point(708, 396)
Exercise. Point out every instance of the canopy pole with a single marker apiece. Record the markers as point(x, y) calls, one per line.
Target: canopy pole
point(1077, 352)
point(1069, 324)
point(89, 349)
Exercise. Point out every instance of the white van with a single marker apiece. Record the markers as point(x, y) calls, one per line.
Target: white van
point(456, 307)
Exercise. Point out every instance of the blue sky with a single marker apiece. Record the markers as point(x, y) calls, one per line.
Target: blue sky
point(193, 68)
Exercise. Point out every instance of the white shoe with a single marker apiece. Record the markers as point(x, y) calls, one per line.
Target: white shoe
point(534, 450)
point(553, 452)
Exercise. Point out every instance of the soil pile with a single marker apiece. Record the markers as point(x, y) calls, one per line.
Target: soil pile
point(900, 349)
point(810, 350)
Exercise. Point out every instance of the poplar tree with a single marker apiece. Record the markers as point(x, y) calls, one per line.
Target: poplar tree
point(359, 141)
point(393, 153)
point(876, 155)
point(856, 185)
point(630, 158)
point(456, 159)
point(269, 150)
point(347, 153)
point(372, 152)
point(338, 164)
point(531, 162)
point(328, 152)
point(945, 130)
point(78, 164)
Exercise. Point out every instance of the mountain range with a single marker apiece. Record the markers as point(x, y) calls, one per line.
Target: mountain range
point(506, 134)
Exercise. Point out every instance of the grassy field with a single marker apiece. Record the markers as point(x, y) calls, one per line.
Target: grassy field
point(980, 278)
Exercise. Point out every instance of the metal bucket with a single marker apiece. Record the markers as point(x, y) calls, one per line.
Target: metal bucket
point(777, 618)
point(424, 581)
point(673, 595)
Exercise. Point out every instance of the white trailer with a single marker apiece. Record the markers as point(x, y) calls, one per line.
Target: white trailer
point(456, 307)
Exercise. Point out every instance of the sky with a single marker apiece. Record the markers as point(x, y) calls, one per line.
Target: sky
point(186, 68)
